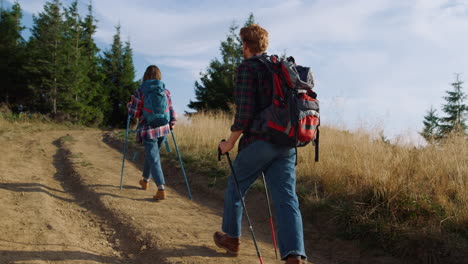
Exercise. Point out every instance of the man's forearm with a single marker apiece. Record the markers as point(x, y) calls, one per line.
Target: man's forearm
point(234, 137)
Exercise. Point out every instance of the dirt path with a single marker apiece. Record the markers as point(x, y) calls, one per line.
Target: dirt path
point(41, 220)
point(60, 203)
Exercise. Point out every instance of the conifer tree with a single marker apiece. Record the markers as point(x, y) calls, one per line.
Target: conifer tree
point(92, 95)
point(455, 109)
point(128, 84)
point(117, 66)
point(47, 60)
point(74, 70)
point(431, 130)
point(215, 90)
point(111, 68)
point(12, 46)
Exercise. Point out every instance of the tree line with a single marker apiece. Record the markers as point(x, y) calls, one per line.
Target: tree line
point(59, 71)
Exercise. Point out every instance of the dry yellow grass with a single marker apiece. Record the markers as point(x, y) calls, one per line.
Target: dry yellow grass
point(352, 163)
point(429, 182)
point(12, 125)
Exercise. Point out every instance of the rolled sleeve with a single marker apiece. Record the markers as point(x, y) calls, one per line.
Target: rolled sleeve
point(135, 104)
point(244, 97)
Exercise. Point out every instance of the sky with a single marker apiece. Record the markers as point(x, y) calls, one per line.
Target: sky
point(378, 64)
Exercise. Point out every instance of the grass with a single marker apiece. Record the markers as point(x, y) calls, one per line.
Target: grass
point(12, 124)
point(412, 201)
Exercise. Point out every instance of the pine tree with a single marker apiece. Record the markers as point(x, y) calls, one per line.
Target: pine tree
point(13, 89)
point(118, 69)
point(215, 89)
point(128, 84)
point(455, 110)
point(47, 60)
point(111, 68)
point(73, 78)
point(92, 95)
point(431, 130)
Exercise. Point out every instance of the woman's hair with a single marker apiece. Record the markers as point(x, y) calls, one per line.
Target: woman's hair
point(255, 37)
point(151, 73)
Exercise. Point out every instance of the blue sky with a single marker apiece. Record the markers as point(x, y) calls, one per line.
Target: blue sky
point(378, 64)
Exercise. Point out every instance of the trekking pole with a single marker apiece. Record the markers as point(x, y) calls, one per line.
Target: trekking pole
point(316, 142)
point(242, 202)
point(181, 165)
point(166, 142)
point(124, 151)
point(272, 226)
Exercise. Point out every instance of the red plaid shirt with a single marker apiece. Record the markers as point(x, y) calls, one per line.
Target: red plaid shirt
point(252, 94)
point(145, 131)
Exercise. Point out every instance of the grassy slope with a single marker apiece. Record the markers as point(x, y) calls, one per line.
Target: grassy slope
point(411, 202)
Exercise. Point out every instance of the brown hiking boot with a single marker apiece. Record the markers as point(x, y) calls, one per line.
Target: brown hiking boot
point(230, 244)
point(160, 195)
point(144, 184)
point(294, 260)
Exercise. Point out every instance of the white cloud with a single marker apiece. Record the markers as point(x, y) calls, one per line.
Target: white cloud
point(192, 67)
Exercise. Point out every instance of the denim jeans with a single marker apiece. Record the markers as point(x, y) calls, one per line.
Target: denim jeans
point(278, 165)
point(152, 167)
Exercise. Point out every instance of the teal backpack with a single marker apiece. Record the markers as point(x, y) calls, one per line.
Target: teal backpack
point(155, 108)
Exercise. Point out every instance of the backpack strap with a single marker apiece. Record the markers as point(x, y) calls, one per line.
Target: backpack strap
point(316, 142)
point(264, 59)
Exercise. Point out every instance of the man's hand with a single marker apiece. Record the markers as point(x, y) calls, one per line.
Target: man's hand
point(172, 124)
point(225, 146)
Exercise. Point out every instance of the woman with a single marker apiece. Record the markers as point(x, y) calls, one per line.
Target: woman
point(151, 133)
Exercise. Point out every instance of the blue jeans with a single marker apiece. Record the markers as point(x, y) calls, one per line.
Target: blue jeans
point(278, 165)
point(152, 167)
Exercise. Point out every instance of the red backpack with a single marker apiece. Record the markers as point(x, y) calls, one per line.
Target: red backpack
point(293, 117)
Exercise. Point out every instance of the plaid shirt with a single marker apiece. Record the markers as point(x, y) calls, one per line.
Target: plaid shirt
point(252, 94)
point(145, 131)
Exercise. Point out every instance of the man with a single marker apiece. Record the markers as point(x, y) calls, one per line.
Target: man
point(256, 155)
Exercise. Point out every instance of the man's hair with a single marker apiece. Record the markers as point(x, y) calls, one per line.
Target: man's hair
point(151, 73)
point(255, 37)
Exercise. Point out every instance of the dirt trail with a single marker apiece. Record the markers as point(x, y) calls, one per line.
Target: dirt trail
point(60, 203)
point(40, 219)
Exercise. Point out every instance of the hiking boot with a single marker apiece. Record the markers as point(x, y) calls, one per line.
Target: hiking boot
point(160, 195)
point(294, 260)
point(144, 184)
point(230, 244)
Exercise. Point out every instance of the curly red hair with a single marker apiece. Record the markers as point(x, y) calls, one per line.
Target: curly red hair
point(255, 37)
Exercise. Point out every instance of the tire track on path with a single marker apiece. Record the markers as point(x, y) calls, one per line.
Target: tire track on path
point(175, 230)
point(41, 221)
